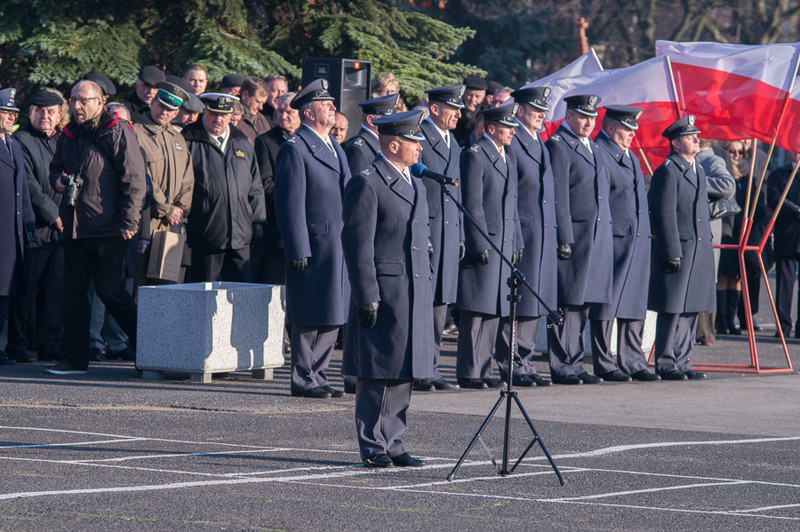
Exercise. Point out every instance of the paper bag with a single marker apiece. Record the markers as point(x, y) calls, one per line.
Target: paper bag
point(166, 252)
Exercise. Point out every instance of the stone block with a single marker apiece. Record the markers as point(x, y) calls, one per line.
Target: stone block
point(206, 328)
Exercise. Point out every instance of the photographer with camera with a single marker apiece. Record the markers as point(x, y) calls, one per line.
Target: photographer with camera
point(99, 170)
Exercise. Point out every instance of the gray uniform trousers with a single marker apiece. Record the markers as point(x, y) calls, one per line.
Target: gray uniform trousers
point(439, 318)
point(630, 357)
point(476, 338)
point(312, 348)
point(380, 429)
point(674, 341)
point(527, 330)
point(565, 343)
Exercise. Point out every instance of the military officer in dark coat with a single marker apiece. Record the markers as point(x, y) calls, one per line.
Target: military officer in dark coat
point(537, 218)
point(385, 241)
point(16, 213)
point(441, 154)
point(364, 147)
point(682, 265)
point(309, 178)
point(489, 181)
point(630, 225)
point(585, 249)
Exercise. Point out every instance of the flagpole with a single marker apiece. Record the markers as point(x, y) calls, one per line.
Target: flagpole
point(674, 87)
point(646, 162)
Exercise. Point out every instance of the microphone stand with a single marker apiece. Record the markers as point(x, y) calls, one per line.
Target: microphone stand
point(515, 280)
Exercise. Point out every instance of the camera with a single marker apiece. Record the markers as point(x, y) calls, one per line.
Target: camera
point(73, 183)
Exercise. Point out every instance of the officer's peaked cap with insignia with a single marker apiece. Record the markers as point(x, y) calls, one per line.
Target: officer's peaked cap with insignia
point(171, 95)
point(404, 125)
point(627, 115)
point(533, 95)
point(218, 102)
point(7, 102)
point(585, 104)
point(682, 126)
point(451, 95)
point(315, 91)
point(382, 105)
point(505, 114)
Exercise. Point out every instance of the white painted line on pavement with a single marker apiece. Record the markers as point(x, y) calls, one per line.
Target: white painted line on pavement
point(67, 444)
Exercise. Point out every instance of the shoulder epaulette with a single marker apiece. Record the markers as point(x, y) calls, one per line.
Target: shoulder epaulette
point(474, 148)
point(556, 137)
point(358, 142)
point(292, 139)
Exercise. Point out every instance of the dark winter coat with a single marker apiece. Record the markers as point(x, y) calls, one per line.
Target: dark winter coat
point(787, 225)
point(38, 150)
point(16, 218)
point(361, 151)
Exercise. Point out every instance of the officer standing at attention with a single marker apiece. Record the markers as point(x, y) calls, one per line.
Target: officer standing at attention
point(585, 248)
point(630, 225)
point(489, 181)
point(682, 265)
point(385, 240)
point(441, 154)
point(363, 149)
point(537, 218)
point(310, 172)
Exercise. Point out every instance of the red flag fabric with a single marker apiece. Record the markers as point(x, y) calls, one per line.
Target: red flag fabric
point(735, 91)
point(789, 134)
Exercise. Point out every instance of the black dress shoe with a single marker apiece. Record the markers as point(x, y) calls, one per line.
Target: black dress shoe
point(379, 460)
point(406, 460)
point(645, 376)
point(672, 375)
point(423, 385)
point(5, 361)
point(313, 393)
point(587, 378)
point(22, 358)
point(335, 394)
point(695, 375)
point(441, 384)
point(349, 389)
point(616, 376)
point(569, 379)
point(96, 354)
point(523, 380)
point(494, 383)
point(472, 384)
point(538, 380)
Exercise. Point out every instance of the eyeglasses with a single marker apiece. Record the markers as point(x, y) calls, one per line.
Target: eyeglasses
point(736, 152)
point(83, 101)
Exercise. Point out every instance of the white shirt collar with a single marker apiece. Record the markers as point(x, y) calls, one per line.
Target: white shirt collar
point(445, 134)
point(225, 136)
point(585, 140)
point(404, 173)
point(368, 130)
point(499, 149)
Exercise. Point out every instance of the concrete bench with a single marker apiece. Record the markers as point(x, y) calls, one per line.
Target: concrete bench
point(206, 328)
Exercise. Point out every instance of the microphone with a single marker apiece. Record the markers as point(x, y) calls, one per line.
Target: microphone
point(419, 170)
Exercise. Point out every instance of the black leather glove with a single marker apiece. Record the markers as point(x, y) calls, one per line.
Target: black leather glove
point(462, 251)
point(299, 265)
point(516, 257)
point(368, 314)
point(672, 265)
point(564, 251)
point(481, 257)
point(430, 249)
point(258, 231)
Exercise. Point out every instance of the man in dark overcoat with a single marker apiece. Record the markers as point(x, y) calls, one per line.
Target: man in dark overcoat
point(489, 181)
point(630, 225)
point(385, 241)
point(309, 180)
point(364, 147)
point(16, 214)
point(228, 198)
point(537, 218)
point(585, 248)
point(682, 264)
point(44, 253)
point(441, 154)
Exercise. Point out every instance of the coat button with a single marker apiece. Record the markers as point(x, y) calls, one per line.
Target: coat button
point(416, 275)
point(446, 222)
point(414, 248)
point(544, 202)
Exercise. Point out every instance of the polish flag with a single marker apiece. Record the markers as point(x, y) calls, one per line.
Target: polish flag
point(645, 85)
point(581, 71)
point(735, 91)
point(788, 136)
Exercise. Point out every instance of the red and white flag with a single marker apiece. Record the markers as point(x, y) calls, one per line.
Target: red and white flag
point(735, 91)
point(788, 136)
point(581, 71)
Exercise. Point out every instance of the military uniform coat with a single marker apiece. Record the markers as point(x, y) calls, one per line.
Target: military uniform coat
point(308, 203)
point(630, 225)
point(445, 219)
point(228, 197)
point(584, 220)
point(680, 221)
point(490, 196)
point(16, 217)
point(362, 150)
point(385, 241)
point(537, 219)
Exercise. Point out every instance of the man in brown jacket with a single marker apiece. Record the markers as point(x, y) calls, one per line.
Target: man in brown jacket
point(99, 170)
point(167, 159)
point(253, 95)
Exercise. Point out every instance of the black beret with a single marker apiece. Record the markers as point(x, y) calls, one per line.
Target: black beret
point(625, 114)
point(232, 80)
point(151, 75)
point(193, 104)
point(106, 85)
point(493, 87)
point(682, 126)
point(504, 114)
point(533, 95)
point(404, 125)
point(585, 104)
point(450, 95)
point(46, 99)
point(476, 83)
point(382, 105)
